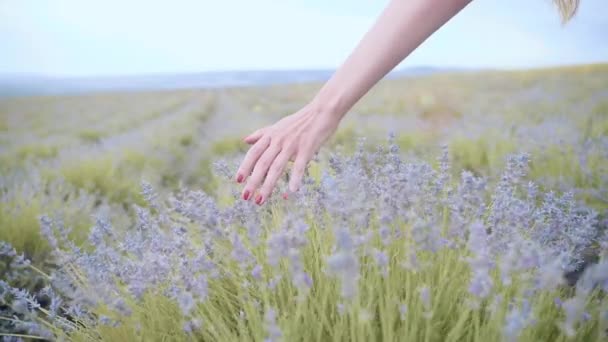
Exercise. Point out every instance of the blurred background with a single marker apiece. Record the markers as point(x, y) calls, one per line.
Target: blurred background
point(96, 96)
point(44, 40)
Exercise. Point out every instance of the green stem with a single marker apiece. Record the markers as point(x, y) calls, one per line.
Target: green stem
point(427, 331)
point(39, 271)
point(9, 319)
point(24, 336)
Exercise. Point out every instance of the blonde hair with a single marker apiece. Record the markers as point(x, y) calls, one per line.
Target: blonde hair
point(567, 8)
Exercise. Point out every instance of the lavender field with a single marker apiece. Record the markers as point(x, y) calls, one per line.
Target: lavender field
point(463, 206)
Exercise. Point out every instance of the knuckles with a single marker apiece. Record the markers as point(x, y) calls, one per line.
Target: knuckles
point(263, 164)
point(275, 169)
point(277, 140)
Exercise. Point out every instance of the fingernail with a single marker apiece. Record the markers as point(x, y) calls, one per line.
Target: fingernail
point(246, 195)
point(259, 200)
point(285, 195)
point(239, 178)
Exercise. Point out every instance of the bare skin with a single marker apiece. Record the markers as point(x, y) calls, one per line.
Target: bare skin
point(401, 28)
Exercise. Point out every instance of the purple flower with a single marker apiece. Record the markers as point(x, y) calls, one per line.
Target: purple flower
point(345, 265)
point(184, 247)
point(20, 306)
point(240, 253)
point(425, 298)
point(273, 331)
point(186, 302)
point(586, 316)
point(573, 309)
point(192, 325)
point(402, 311)
point(480, 285)
point(256, 272)
point(344, 240)
point(382, 261)
point(515, 323)
point(558, 302)
point(272, 284)
point(385, 234)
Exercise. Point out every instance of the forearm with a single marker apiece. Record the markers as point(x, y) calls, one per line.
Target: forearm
point(400, 29)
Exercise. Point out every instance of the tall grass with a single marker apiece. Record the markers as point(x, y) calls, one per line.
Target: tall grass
point(407, 253)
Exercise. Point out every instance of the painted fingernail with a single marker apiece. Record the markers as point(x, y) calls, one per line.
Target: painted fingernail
point(259, 200)
point(239, 178)
point(246, 195)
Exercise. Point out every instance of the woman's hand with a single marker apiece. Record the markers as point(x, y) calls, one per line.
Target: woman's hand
point(401, 27)
point(296, 137)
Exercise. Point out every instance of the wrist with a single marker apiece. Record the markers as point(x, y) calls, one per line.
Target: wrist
point(330, 103)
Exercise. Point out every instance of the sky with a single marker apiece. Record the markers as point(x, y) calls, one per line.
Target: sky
point(117, 37)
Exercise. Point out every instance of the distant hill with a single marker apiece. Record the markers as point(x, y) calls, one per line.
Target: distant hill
point(21, 85)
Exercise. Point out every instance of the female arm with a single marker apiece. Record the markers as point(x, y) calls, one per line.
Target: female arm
point(402, 26)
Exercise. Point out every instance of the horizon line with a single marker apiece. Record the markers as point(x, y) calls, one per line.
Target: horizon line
point(266, 70)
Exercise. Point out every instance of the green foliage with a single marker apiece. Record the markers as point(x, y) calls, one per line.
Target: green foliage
point(185, 140)
point(556, 165)
point(156, 318)
point(417, 142)
point(20, 227)
point(90, 136)
point(227, 146)
point(485, 154)
point(36, 151)
point(3, 124)
point(345, 137)
point(20, 220)
point(204, 176)
point(597, 125)
point(106, 176)
point(601, 109)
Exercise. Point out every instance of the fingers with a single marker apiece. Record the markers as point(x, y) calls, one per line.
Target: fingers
point(254, 137)
point(251, 158)
point(259, 172)
point(299, 166)
point(274, 173)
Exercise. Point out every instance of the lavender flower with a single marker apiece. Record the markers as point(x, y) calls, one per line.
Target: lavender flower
point(402, 311)
point(192, 325)
point(239, 252)
point(34, 329)
point(256, 272)
point(385, 234)
point(425, 298)
point(573, 309)
point(274, 333)
point(481, 263)
point(382, 261)
point(187, 247)
point(515, 323)
point(186, 302)
point(344, 263)
point(11, 339)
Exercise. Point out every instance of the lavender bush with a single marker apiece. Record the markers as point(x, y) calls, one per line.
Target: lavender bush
point(371, 248)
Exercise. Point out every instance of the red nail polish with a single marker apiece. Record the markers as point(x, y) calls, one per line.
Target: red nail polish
point(246, 195)
point(259, 199)
point(285, 195)
point(239, 178)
